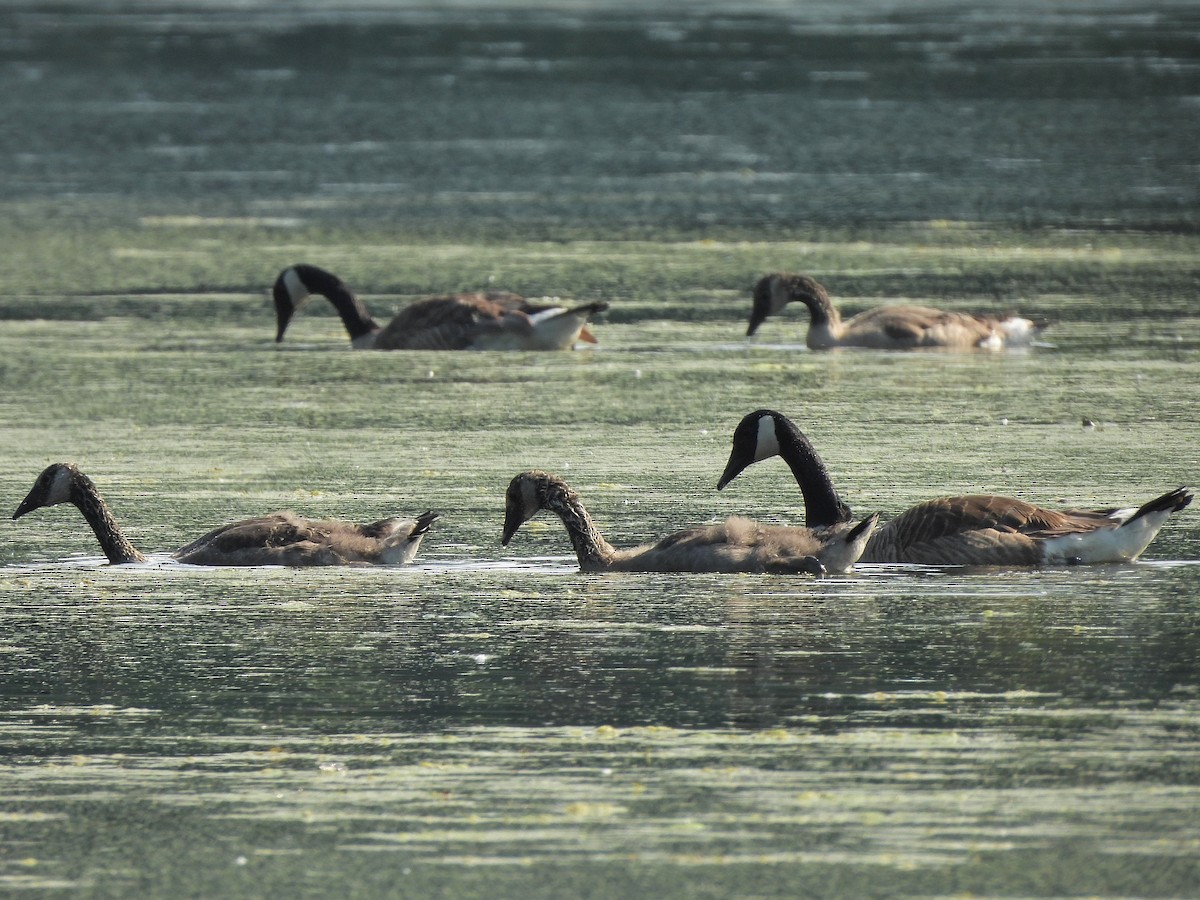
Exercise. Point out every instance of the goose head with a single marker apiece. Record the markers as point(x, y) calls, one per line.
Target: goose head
point(757, 437)
point(765, 433)
point(527, 493)
point(55, 485)
point(774, 292)
point(297, 283)
point(289, 294)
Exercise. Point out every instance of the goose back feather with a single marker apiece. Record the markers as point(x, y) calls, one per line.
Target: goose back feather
point(277, 539)
point(494, 320)
point(971, 530)
point(898, 327)
point(735, 545)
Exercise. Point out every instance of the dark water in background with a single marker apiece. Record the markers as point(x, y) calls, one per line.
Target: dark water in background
point(489, 722)
point(609, 119)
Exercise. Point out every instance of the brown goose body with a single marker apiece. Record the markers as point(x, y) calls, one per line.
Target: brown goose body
point(970, 530)
point(735, 545)
point(993, 530)
point(276, 539)
point(494, 320)
point(896, 327)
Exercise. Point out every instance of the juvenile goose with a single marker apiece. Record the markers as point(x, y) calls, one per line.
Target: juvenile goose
point(277, 539)
point(736, 545)
point(481, 321)
point(886, 327)
point(974, 530)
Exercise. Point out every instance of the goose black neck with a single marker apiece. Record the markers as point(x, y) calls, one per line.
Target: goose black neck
point(591, 549)
point(822, 504)
point(353, 313)
point(113, 542)
point(821, 310)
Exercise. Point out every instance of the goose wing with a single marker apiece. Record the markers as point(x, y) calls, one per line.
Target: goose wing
point(541, 328)
point(451, 322)
point(978, 529)
point(285, 539)
point(918, 326)
point(262, 535)
point(735, 545)
point(744, 545)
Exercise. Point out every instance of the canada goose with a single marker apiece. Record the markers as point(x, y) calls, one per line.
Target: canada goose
point(886, 327)
point(736, 545)
point(482, 321)
point(277, 539)
point(974, 530)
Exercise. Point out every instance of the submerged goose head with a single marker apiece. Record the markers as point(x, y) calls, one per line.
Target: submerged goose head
point(528, 494)
point(774, 292)
point(297, 283)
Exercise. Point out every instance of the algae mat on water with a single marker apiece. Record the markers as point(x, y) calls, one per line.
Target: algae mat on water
point(489, 722)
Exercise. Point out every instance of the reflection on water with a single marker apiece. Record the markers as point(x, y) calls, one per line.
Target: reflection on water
point(439, 719)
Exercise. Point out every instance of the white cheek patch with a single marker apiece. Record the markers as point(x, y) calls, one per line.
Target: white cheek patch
point(60, 488)
point(297, 290)
point(529, 500)
point(767, 444)
point(780, 295)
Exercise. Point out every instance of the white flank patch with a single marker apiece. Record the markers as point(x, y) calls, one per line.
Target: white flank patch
point(400, 549)
point(297, 290)
point(1109, 545)
point(1122, 515)
point(550, 329)
point(767, 444)
point(1017, 330)
point(992, 342)
point(560, 330)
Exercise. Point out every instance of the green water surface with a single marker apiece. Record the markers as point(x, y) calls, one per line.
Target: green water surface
point(489, 722)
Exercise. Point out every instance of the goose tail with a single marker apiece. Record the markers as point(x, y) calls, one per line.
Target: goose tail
point(1126, 542)
point(1171, 501)
point(1020, 331)
point(843, 552)
point(559, 328)
point(424, 520)
point(587, 310)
